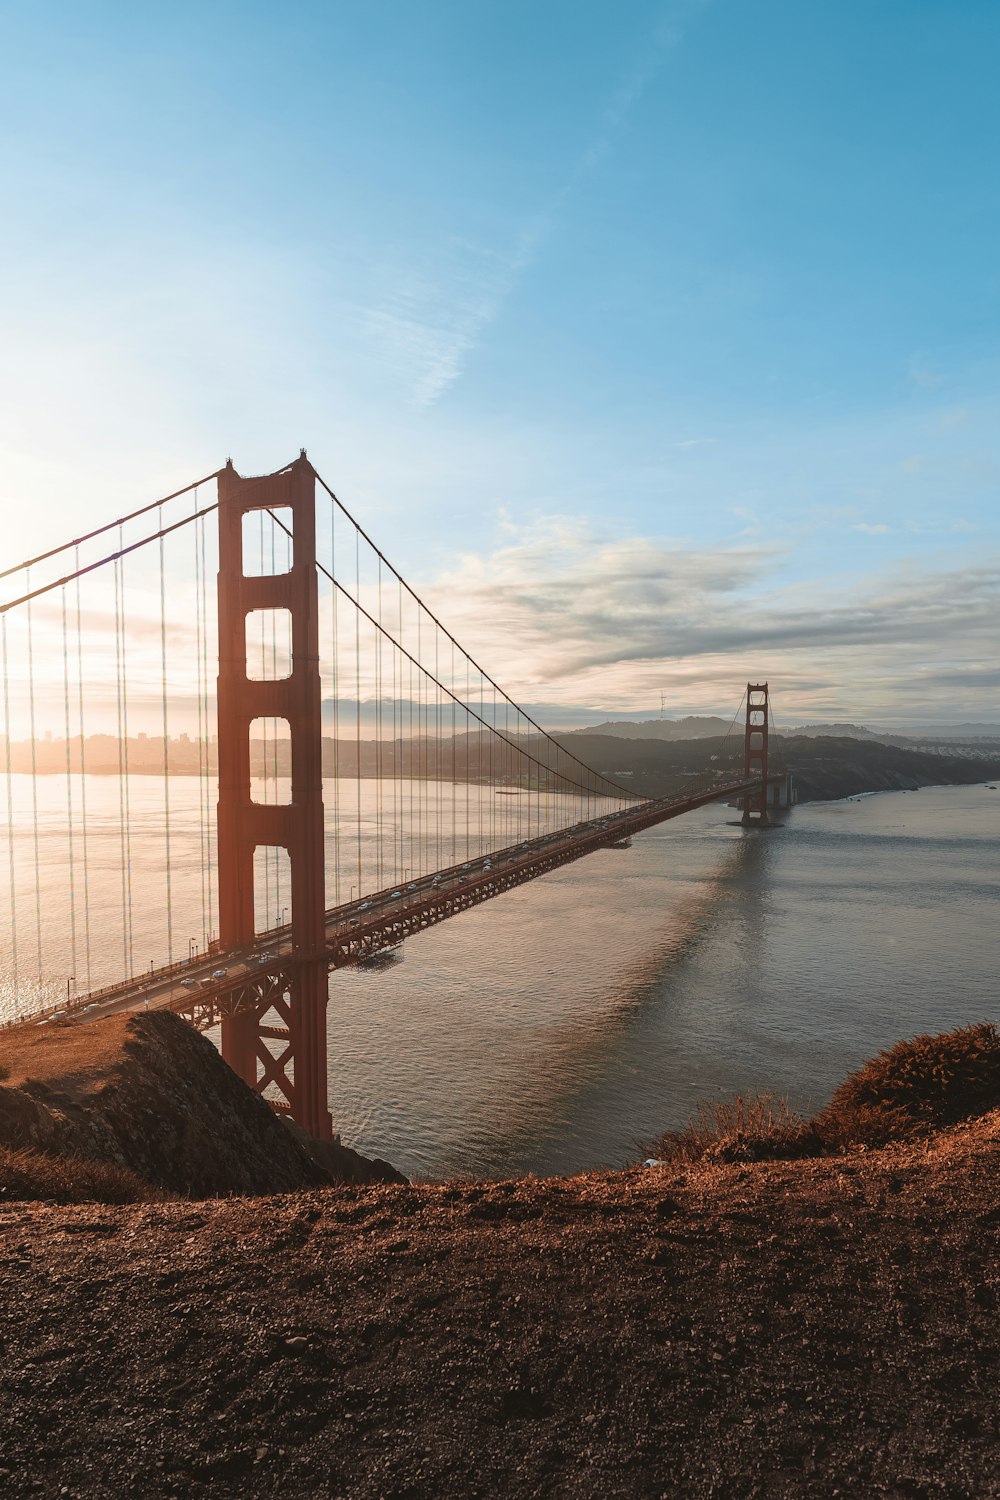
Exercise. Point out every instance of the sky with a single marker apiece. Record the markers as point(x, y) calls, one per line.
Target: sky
point(655, 343)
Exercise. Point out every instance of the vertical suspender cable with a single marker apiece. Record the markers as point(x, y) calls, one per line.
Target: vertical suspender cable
point(130, 968)
point(208, 737)
point(279, 909)
point(69, 788)
point(263, 748)
point(83, 774)
point(34, 788)
point(166, 744)
point(378, 728)
point(336, 704)
point(357, 690)
point(202, 733)
point(438, 854)
point(10, 817)
point(116, 571)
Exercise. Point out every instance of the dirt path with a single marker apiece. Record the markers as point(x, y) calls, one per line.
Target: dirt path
point(811, 1329)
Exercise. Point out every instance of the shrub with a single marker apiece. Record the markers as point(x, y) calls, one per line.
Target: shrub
point(757, 1127)
point(915, 1087)
point(33, 1176)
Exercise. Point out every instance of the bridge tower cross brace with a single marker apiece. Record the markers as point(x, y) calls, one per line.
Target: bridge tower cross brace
point(755, 754)
point(300, 1071)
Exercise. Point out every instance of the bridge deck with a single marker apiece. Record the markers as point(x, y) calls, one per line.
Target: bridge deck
point(210, 987)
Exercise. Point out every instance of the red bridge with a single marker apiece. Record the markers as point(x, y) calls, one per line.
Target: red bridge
point(421, 717)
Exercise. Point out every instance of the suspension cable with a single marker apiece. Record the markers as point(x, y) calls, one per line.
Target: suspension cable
point(100, 563)
point(471, 712)
point(419, 601)
point(100, 530)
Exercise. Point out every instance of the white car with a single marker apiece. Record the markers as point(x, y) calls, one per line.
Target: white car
point(395, 895)
point(190, 984)
point(219, 973)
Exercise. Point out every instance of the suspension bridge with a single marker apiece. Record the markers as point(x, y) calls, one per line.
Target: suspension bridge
point(211, 803)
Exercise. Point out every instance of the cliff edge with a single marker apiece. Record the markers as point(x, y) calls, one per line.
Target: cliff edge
point(145, 1094)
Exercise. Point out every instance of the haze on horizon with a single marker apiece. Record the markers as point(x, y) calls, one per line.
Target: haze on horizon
point(656, 347)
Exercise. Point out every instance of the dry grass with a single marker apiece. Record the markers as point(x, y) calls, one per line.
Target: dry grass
point(32, 1176)
point(914, 1088)
point(75, 1059)
point(758, 1127)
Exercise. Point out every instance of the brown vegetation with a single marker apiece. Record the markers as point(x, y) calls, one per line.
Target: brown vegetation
point(910, 1090)
point(36, 1176)
point(716, 1331)
point(146, 1095)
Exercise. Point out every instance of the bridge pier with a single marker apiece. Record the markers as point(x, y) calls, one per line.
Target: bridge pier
point(299, 1070)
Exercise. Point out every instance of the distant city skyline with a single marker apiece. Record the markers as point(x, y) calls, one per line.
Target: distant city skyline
point(665, 336)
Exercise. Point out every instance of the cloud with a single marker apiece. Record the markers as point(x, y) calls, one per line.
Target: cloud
point(923, 373)
point(565, 616)
point(433, 319)
point(878, 528)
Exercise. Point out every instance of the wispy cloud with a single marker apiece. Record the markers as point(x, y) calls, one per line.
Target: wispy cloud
point(433, 319)
point(590, 620)
point(871, 528)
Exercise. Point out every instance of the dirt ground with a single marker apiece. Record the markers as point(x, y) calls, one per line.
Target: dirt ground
point(76, 1059)
point(818, 1329)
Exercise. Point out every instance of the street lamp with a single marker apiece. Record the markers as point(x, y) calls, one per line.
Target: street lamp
point(284, 909)
point(69, 981)
point(191, 950)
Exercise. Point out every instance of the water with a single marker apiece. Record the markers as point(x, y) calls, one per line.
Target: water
point(566, 1023)
point(559, 1026)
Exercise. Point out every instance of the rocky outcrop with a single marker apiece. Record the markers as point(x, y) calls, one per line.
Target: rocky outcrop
point(158, 1100)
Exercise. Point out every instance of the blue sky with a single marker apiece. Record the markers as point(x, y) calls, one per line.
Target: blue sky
point(665, 332)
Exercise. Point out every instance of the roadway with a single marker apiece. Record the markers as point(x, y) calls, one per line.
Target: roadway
point(357, 929)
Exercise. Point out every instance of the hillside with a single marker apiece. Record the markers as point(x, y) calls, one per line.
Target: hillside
point(825, 769)
point(146, 1094)
point(784, 1329)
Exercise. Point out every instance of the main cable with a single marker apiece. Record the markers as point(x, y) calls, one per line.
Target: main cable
point(100, 530)
point(630, 796)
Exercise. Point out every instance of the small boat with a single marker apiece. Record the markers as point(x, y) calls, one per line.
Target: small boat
point(625, 843)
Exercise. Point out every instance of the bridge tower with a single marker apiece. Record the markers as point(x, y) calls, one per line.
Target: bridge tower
point(299, 1072)
point(755, 754)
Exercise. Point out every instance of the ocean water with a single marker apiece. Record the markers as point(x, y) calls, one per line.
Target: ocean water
point(565, 1024)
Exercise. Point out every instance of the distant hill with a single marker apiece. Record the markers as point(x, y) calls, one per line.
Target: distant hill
point(694, 727)
point(825, 767)
point(709, 726)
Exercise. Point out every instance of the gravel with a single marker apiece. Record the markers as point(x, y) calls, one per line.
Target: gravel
point(816, 1328)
